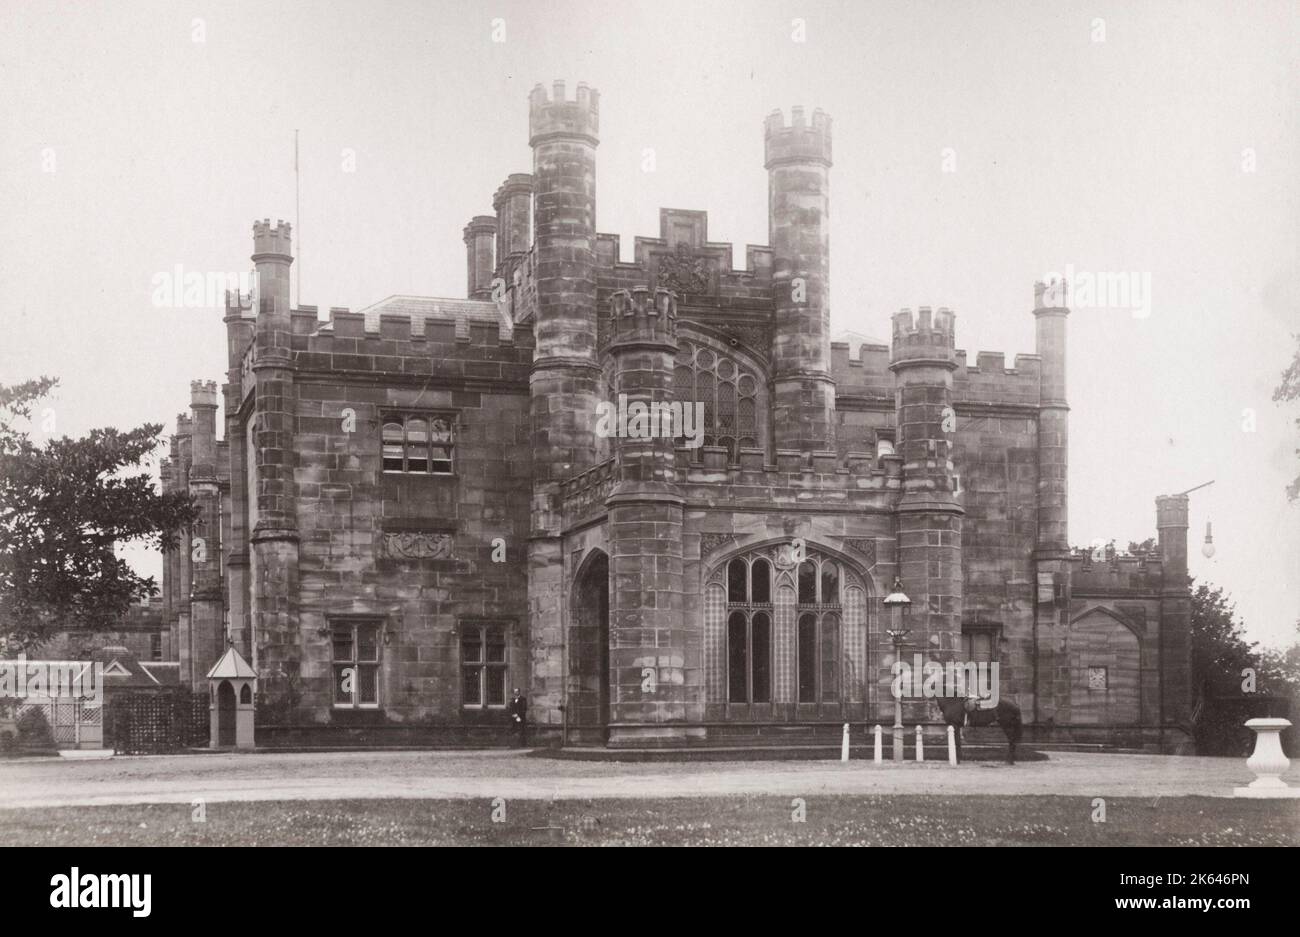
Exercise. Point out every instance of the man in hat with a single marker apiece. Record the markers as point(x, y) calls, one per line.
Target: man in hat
point(518, 710)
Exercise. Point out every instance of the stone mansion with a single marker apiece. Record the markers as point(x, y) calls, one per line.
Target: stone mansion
point(409, 510)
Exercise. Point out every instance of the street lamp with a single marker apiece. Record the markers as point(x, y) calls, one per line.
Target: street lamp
point(899, 602)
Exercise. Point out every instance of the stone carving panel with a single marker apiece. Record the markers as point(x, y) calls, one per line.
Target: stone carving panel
point(416, 545)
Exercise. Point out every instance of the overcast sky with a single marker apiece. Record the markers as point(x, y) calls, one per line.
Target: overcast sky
point(1103, 137)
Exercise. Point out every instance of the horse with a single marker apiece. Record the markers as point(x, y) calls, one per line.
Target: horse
point(958, 712)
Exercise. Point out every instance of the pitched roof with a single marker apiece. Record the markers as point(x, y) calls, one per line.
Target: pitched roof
point(231, 666)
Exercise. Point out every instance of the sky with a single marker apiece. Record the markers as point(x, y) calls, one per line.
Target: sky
point(977, 147)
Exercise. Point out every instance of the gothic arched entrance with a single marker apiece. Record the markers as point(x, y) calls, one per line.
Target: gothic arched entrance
point(588, 703)
point(225, 714)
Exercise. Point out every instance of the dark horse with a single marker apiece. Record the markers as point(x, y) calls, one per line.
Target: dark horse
point(958, 712)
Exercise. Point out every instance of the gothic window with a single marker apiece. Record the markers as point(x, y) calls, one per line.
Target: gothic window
point(730, 391)
point(418, 443)
point(818, 631)
point(749, 630)
point(778, 630)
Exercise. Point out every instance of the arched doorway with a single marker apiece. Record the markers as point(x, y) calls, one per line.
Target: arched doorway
point(588, 702)
point(225, 714)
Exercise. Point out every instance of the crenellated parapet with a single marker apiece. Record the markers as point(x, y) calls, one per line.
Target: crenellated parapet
point(799, 141)
point(639, 314)
point(203, 394)
point(927, 339)
point(556, 116)
point(272, 241)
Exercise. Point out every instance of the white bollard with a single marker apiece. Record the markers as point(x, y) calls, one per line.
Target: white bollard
point(1268, 762)
point(952, 746)
point(879, 753)
point(920, 744)
point(844, 744)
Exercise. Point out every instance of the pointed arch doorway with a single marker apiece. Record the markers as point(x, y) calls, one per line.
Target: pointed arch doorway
point(588, 702)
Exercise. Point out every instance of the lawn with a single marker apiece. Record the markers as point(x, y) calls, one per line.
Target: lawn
point(748, 820)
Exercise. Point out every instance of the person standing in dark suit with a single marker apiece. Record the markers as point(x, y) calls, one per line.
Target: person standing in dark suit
point(518, 710)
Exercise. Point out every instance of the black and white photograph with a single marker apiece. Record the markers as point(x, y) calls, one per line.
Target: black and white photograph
point(732, 423)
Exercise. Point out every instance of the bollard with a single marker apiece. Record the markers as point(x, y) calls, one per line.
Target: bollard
point(844, 744)
point(952, 746)
point(1268, 762)
point(879, 753)
point(920, 744)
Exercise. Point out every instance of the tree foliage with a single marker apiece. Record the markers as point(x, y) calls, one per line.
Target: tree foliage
point(1220, 651)
point(64, 508)
point(1287, 392)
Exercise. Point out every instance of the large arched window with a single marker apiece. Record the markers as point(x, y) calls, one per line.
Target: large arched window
point(785, 632)
point(732, 393)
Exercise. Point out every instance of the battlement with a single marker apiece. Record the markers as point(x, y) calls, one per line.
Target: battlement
point(203, 394)
point(799, 141)
point(927, 338)
point(240, 305)
point(555, 116)
point(817, 477)
point(272, 242)
point(1054, 294)
point(639, 312)
point(683, 259)
point(1109, 570)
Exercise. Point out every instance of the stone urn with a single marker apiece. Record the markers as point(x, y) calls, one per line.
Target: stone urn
point(1268, 762)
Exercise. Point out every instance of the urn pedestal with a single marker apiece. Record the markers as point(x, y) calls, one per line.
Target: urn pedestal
point(1268, 762)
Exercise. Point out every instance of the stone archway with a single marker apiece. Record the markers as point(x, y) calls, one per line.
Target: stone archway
point(588, 702)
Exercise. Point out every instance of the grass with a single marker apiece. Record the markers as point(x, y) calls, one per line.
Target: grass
point(753, 820)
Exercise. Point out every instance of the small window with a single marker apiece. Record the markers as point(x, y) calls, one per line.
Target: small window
point(980, 644)
point(355, 647)
point(155, 646)
point(1097, 678)
point(485, 665)
point(419, 443)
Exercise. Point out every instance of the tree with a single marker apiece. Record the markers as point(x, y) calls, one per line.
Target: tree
point(1220, 651)
point(1146, 546)
point(1280, 670)
point(64, 507)
point(1286, 392)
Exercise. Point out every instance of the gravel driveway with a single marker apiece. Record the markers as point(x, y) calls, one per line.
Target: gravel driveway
point(45, 782)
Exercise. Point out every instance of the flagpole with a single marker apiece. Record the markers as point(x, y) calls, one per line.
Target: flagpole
point(297, 221)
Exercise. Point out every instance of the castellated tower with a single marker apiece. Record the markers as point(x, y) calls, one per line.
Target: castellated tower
point(275, 535)
point(647, 636)
point(798, 162)
point(564, 383)
point(480, 246)
point(207, 633)
point(929, 515)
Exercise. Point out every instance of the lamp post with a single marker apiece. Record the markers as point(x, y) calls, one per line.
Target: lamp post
point(898, 601)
